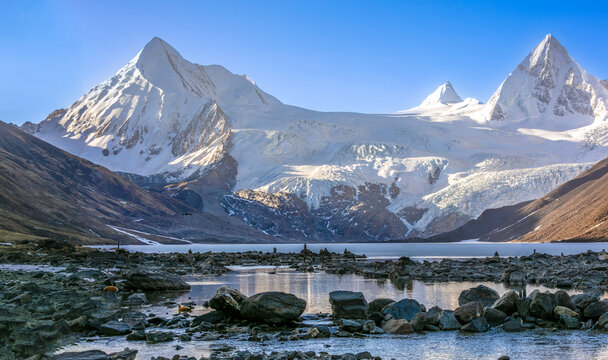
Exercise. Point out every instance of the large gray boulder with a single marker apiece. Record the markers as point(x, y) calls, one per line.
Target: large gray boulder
point(348, 305)
point(542, 305)
point(481, 294)
point(272, 307)
point(468, 312)
point(447, 321)
point(404, 309)
point(507, 303)
point(378, 304)
point(227, 301)
point(155, 280)
point(479, 324)
point(595, 309)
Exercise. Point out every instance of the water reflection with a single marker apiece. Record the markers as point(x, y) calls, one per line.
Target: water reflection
point(315, 287)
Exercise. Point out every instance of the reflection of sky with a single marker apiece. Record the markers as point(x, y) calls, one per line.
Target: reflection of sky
point(315, 287)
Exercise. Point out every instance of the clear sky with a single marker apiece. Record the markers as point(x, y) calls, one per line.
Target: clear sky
point(363, 56)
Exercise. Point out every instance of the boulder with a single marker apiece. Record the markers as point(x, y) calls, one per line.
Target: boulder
point(212, 317)
point(481, 294)
point(512, 324)
point(602, 322)
point(447, 321)
point(434, 315)
point(137, 298)
point(419, 321)
point(582, 300)
point(397, 326)
point(562, 310)
point(348, 305)
point(114, 328)
point(479, 324)
point(378, 304)
point(569, 322)
point(272, 307)
point(350, 325)
point(507, 303)
point(227, 301)
point(153, 337)
point(595, 309)
point(542, 305)
point(564, 299)
point(155, 280)
point(495, 317)
point(523, 307)
point(468, 312)
point(404, 309)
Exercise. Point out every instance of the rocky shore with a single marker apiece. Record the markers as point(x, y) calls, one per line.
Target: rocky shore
point(52, 294)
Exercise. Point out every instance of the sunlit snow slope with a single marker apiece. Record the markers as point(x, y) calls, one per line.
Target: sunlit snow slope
point(413, 173)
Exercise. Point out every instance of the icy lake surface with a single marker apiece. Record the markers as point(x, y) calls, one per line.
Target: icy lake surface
point(314, 288)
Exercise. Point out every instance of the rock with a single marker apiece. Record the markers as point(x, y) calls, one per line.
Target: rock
point(83, 355)
point(114, 328)
point(479, 324)
point(272, 307)
point(137, 298)
point(350, 325)
point(564, 299)
point(447, 321)
point(153, 337)
point(404, 309)
point(563, 283)
point(495, 317)
point(507, 303)
point(155, 280)
point(434, 315)
point(562, 310)
point(378, 304)
point(419, 321)
point(397, 326)
point(369, 327)
point(348, 305)
point(227, 301)
point(582, 300)
point(602, 322)
point(595, 309)
point(512, 324)
point(126, 354)
point(542, 305)
point(523, 307)
point(469, 311)
point(212, 317)
point(481, 294)
point(569, 322)
point(137, 335)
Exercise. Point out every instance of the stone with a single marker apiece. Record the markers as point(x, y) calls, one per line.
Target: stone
point(512, 324)
point(479, 324)
point(564, 299)
point(351, 325)
point(569, 322)
point(523, 307)
point(495, 317)
point(563, 283)
point(137, 335)
point(595, 309)
point(227, 301)
point(468, 312)
point(507, 303)
point(126, 354)
point(602, 322)
point(378, 304)
point(272, 307)
point(582, 300)
point(434, 315)
point(398, 327)
point(137, 298)
point(212, 317)
point(114, 328)
point(447, 321)
point(404, 309)
point(542, 305)
point(369, 327)
point(348, 305)
point(155, 280)
point(83, 355)
point(419, 321)
point(480, 293)
point(562, 310)
point(153, 337)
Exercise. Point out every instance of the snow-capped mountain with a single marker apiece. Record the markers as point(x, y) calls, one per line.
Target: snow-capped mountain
point(548, 89)
point(316, 175)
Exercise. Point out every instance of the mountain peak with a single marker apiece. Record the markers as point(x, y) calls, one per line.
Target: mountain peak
point(444, 94)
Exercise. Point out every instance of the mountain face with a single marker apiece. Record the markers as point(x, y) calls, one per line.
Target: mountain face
point(220, 143)
point(575, 211)
point(548, 88)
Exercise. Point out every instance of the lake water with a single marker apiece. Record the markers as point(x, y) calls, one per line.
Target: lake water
point(431, 251)
point(315, 287)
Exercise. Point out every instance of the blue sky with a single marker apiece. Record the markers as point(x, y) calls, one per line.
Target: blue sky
point(364, 56)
